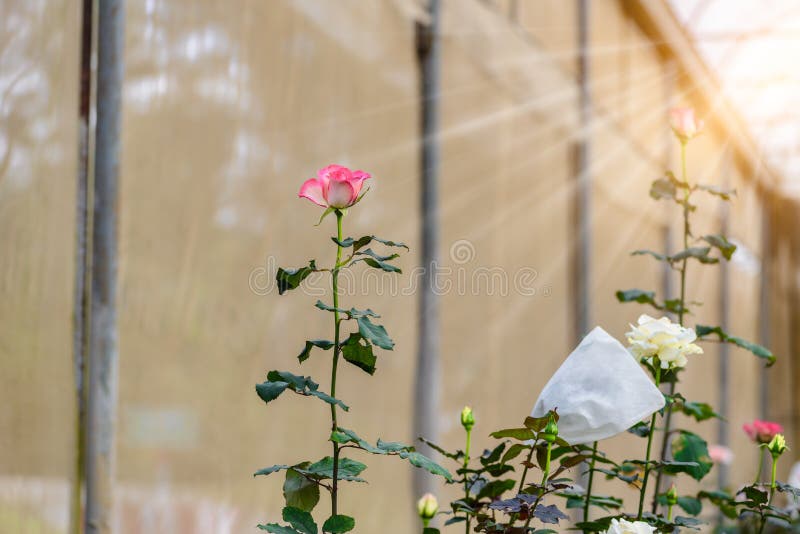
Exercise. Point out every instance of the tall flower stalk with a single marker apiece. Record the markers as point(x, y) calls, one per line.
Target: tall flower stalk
point(335, 188)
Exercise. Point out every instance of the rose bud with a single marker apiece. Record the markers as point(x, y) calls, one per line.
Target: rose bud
point(672, 496)
point(334, 187)
point(777, 446)
point(550, 431)
point(427, 507)
point(684, 123)
point(467, 418)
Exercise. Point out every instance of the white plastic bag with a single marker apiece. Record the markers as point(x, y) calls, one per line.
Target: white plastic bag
point(599, 391)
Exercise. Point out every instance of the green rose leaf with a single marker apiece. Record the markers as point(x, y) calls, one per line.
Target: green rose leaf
point(521, 434)
point(291, 278)
point(430, 530)
point(359, 354)
point(758, 350)
point(495, 489)
point(663, 188)
point(690, 505)
point(338, 524)
point(278, 529)
point(690, 448)
point(656, 255)
point(698, 253)
point(640, 429)
point(363, 241)
point(721, 243)
point(423, 462)
point(374, 333)
point(351, 313)
point(279, 381)
point(638, 295)
point(724, 194)
point(271, 469)
point(348, 469)
point(300, 492)
point(699, 410)
point(377, 261)
point(320, 343)
point(300, 520)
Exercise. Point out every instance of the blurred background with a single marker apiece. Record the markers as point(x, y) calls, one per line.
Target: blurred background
point(528, 188)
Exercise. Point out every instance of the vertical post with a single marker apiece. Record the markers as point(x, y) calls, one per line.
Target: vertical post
point(426, 388)
point(723, 437)
point(583, 199)
point(765, 286)
point(80, 302)
point(103, 317)
point(581, 212)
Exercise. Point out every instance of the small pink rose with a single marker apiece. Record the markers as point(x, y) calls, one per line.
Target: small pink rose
point(684, 123)
point(334, 187)
point(762, 431)
point(720, 454)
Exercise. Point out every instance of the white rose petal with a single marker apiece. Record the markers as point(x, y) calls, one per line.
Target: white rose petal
point(621, 526)
point(661, 338)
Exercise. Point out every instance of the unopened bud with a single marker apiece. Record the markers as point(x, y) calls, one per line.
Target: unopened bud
point(467, 418)
point(550, 431)
point(777, 446)
point(427, 507)
point(672, 495)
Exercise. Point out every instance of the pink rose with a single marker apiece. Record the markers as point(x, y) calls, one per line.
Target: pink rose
point(684, 123)
point(720, 454)
point(762, 431)
point(334, 187)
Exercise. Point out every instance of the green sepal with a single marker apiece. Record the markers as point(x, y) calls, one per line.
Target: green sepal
point(325, 213)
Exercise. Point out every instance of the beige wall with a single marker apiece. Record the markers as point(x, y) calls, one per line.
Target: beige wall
point(226, 112)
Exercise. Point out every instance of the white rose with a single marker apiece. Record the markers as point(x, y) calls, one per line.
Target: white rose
point(661, 338)
point(621, 526)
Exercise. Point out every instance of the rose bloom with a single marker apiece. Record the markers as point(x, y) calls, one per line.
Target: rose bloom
point(334, 187)
point(661, 338)
point(762, 431)
point(720, 454)
point(684, 123)
point(621, 526)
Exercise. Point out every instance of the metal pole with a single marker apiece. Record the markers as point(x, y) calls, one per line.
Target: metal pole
point(723, 437)
point(426, 388)
point(80, 303)
point(765, 287)
point(103, 319)
point(583, 198)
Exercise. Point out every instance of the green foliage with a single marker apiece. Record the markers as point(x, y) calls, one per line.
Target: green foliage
point(301, 523)
point(721, 243)
point(358, 351)
point(649, 297)
point(320, 343)
point(363, 241)
point(374, 333)
point(692, 449)
point(338, 524)
point(300, 491)
point(279, 381)
point(291, 278)
point(758, 350)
